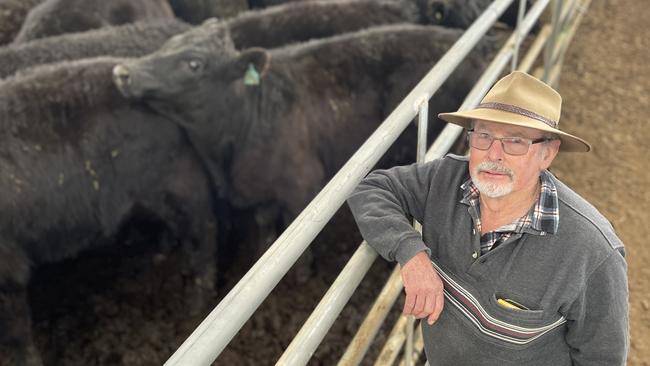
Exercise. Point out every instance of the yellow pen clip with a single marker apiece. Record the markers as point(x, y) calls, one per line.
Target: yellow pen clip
point(507, 304)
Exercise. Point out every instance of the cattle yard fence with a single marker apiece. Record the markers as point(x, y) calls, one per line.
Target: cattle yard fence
point(209, 339)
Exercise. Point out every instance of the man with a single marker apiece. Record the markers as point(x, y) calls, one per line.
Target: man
point(527, 271)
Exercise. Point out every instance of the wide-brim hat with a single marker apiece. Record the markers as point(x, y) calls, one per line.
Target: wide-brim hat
point(522, 100)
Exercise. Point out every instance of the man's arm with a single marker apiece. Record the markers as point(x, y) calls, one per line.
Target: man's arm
point(382, 205)
point(598, 319)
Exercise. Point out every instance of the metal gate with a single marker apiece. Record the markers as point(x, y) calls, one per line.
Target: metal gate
point(207, 341)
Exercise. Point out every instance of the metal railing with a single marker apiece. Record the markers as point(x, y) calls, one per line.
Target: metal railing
point(208, 340)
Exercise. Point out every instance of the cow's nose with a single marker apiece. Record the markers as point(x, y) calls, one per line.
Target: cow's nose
point(121, 75)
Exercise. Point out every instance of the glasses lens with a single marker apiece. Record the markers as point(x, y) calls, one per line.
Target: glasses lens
point(511, 145)
point(481, 141)
point(515, 146)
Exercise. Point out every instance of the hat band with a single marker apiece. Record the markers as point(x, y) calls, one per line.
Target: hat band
point(521, 111)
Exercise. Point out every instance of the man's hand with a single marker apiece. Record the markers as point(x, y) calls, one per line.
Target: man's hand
point(424, 296)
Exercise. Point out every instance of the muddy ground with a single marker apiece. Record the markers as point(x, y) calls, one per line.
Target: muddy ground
point(120, 307)
point(606, 88)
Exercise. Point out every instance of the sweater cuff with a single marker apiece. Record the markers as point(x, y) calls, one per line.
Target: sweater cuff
point(408, 249)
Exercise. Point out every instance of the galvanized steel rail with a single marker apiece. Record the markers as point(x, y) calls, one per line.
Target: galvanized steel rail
point(208, 340)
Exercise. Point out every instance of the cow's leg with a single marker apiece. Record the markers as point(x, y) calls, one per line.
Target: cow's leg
point(187, 209)
point(16, 343)
point(245, 235)
point(295, 194)
point(266, 220)
point(194, 227)
point(302, 270)
point(258, 230)
point(199, 266)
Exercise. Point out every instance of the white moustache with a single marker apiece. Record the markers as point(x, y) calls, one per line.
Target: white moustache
point(494, 167)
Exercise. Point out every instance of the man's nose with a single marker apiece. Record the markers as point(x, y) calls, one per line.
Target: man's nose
point(495, 152)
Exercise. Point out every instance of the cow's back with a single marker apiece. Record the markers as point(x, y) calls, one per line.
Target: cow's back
point(350, 83)
point(130, 40)
point(74, 172)
point(54, 17)
point(323, 99)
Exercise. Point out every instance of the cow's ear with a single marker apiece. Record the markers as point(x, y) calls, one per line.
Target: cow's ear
point(254, 63)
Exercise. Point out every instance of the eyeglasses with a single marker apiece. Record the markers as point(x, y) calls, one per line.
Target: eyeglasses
point(511, 145)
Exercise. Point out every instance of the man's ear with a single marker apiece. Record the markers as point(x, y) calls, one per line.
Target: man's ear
point(550, 151)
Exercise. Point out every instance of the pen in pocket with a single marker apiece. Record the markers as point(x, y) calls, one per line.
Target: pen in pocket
point(510, 304)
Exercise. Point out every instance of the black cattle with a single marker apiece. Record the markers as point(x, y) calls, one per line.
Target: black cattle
point(462, 13)
point(129, 40)
point(77, 164)
point(12, 16)
point(266, 3)
point(448, 13)
point(273, 145)
point(271, 27)
point(196, 11)
point(305, 20)
point(54, 17)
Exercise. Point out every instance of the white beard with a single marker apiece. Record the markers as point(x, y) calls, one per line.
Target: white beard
point(492, 190)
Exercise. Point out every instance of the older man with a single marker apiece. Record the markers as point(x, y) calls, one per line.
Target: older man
point(527, 271)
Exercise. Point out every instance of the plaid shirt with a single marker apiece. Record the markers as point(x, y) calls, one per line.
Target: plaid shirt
point(543, 218)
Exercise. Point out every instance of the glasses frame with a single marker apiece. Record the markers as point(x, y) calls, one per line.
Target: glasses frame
point(503, 146)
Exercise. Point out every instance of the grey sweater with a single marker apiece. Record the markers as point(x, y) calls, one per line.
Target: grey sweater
point(571, 285)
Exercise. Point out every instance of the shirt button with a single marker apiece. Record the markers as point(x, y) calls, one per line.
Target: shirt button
point(475, 255)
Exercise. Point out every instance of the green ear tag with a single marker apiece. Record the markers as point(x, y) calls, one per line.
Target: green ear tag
point(252, 77)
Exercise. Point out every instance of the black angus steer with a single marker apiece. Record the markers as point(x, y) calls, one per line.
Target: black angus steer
point(269, 27)
point(274, 126)
point(77, 164)
point(54, 17)
point(304, 20)
point(448, 13)
point(462, 13)
point(196, 11)
point(12, 16)
point(129, 40)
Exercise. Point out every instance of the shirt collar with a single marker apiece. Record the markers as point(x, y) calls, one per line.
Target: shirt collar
point(542, 219)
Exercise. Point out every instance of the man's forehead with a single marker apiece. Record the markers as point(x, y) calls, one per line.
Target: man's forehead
point(506, 129)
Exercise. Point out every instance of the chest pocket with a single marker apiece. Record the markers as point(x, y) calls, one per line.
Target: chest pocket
point(516, 325)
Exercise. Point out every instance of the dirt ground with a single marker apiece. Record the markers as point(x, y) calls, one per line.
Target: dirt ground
point(128, 311)
point(605, 86)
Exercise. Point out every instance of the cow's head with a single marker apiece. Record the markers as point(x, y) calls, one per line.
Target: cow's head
point(191, 74)
point(449, 13)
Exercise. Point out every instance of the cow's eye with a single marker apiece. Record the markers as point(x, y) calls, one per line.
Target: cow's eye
point(438, 12)
point(194, 65)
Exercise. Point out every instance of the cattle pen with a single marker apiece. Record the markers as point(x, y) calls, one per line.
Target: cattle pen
point(208, 340)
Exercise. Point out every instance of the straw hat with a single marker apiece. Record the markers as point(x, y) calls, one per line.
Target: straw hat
point(521, 100)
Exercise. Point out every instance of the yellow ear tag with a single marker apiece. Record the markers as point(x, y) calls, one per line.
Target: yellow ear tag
point(252, 77)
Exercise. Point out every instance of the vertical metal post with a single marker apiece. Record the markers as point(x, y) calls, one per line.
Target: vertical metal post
point(550, 45)
point(418, 347)
point(423, 123)
point(520, 18)
point(408, 351)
